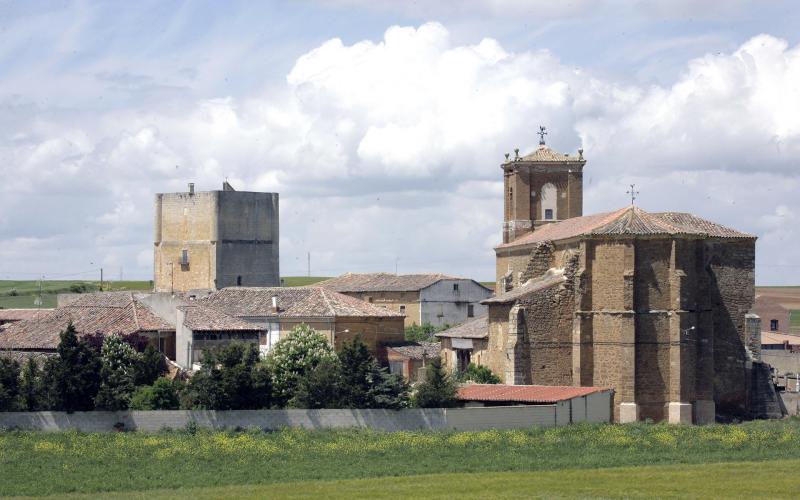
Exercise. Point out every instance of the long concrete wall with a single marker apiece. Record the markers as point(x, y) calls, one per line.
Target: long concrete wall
point(506, 417)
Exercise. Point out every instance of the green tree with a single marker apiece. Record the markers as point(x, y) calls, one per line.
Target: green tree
point(151, 365)
point(320, 387)
point(365, 384)
point(230, 378)
point(31, 388)
point(117, 374)
point(424, 332)
point(162, 395)
point(73, 374)
point(438, 390)
point(478, 374)
point(293, 357)
point(9, 384)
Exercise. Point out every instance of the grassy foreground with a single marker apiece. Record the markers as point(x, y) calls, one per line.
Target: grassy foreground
point(730, 480)
point(34, 463)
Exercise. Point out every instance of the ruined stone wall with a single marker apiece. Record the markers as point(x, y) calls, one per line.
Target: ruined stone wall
point(495, 357)
point(514, 260)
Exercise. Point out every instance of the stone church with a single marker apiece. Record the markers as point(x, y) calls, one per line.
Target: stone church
point(653, 305)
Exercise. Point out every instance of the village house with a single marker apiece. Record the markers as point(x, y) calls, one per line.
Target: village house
point(653, 305)
point(107, 313)
point(464, 344)
point(408, 359)
point(775, 317)
point(266, 315)
point(435, 299)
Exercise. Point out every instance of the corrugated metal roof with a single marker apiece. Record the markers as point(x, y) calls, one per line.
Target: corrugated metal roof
point(477, 328)
point(631, 221)
point(382, 282)
point(299, 302)
point(523, 393)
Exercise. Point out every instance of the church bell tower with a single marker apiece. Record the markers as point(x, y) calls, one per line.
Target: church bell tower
point(540, 188)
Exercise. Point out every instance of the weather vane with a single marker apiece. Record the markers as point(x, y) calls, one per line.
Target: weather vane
point(633, 193)
point(542, 132)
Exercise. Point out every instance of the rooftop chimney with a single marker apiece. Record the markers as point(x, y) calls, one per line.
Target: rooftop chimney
point(275, 304)
point(191, 188)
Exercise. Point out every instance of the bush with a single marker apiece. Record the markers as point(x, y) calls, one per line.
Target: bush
point(293, 357)
point(151, 365)
point(9, 384)
point(438, 390)
point(162, 395)
point(320, 387)
point(478, 374)
point(119, 363)
point(81, 288)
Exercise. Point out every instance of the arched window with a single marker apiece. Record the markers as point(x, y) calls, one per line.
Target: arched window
point(549, 202)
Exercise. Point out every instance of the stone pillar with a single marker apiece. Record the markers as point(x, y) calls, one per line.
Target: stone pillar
point(704, 412)
point(626, 388)
point(514, 346)
point(680, 413)
point(752, 330)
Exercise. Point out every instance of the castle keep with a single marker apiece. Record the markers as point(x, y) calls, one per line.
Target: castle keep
point(215, 239)
point(653, 305)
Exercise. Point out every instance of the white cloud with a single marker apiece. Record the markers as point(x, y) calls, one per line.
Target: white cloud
point(389, 149)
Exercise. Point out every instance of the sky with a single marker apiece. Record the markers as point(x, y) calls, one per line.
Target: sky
point(382, 124)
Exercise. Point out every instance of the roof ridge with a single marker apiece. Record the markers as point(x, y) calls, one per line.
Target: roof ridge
point(327, 301)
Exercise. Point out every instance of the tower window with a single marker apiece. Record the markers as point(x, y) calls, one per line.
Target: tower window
point(548, 214)
point(238, 281)
point(455, 287)
point(773, 325)
point(510, 192)
point(470, 311)
point(185, 257)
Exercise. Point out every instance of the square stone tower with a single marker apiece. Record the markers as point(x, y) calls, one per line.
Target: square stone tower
point(215, 239)
point(540, 188)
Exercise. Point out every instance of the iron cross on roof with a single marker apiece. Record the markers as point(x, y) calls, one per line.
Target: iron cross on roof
point(541, 133)
point(633, 193)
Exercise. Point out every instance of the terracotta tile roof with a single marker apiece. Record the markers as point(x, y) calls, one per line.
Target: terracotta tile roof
point(8, 315)
point(415, 350)
point(548, 280)
point(297, 302)
point(523, 393)
point(477, 328)
point(382, 282)
point(198, 317)
point(544, 154)
point(109, 313)
point(775, 338)
point(631, 221)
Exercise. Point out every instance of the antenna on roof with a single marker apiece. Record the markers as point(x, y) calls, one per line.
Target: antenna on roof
point(633, 193)
point(541, 133)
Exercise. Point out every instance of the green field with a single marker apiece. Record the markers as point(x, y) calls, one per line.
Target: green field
point(608, 458)
point(22, 294)
point(729, 480)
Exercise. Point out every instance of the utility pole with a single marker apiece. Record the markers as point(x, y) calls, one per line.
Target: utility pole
point(309, 264)
point(395, 265)
point(101, 279)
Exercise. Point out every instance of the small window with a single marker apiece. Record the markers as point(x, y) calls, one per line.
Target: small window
point(455, 287)
point(470, 311)
point(238, 281)
point(403, 309)
point(185, 257)
point(548, 214)
point(773, 325)
point(369, 299)
point(510, 193)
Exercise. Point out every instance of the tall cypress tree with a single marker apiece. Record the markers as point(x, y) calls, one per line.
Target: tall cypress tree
point(438, 390)
point(76, 379)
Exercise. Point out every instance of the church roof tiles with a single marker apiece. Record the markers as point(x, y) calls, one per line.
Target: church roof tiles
point(545, 154)
point(632, 221)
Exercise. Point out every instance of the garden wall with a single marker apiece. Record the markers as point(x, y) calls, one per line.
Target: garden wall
point(507, 417)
